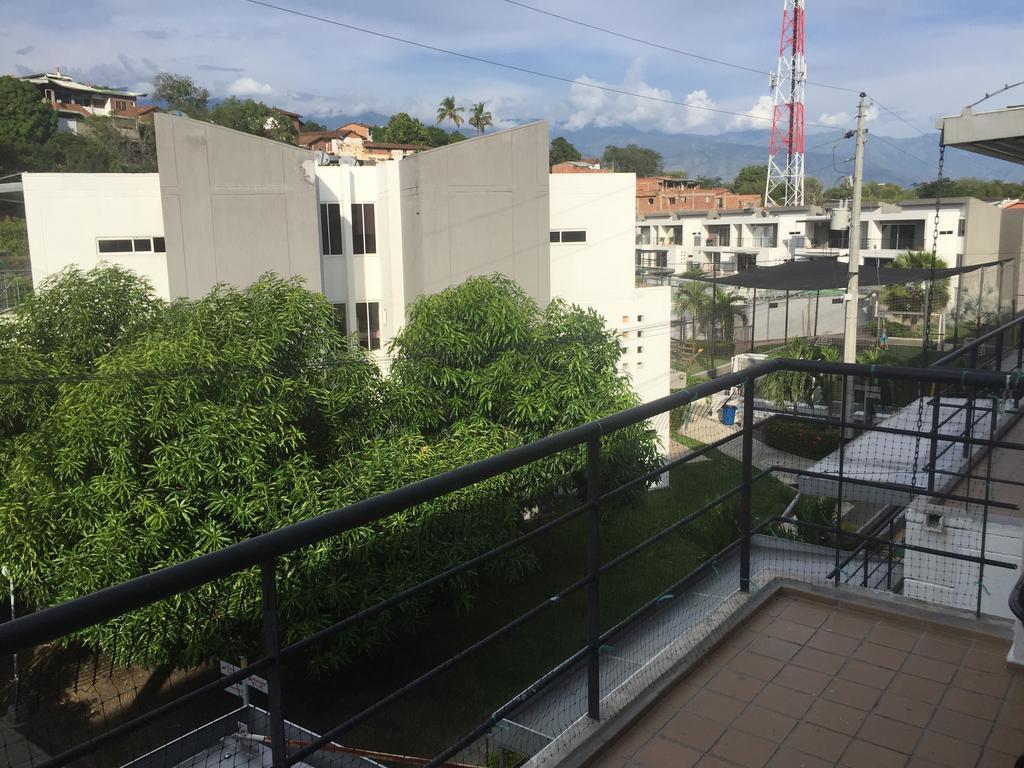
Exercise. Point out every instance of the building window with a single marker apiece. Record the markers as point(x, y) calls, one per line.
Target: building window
point(682, 200)
point(116, 246)
point(368, 324)
point(639, 318)
point(569, 236)
point(773, 305)
point(721, 202)
point(364, 228)
point(340, 319)
point(837, 300)
point(961, 227)
point(639, 334)
point(640, 364)
point(671, 201)
point(945, 231)
point(650, 201)
point(331, 243)
point(707, 199)
point(625, 319)
point(639, 350)
point(130, 245)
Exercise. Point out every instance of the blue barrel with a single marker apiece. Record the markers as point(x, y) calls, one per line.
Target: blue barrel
point(728, 415)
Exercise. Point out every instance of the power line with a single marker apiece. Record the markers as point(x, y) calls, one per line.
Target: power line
point(988, 96)
point(653, 44)
point(900, 149)
point(512, 67)
point(897, 115)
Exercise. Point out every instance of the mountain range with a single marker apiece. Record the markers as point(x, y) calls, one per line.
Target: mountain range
point(901, 161)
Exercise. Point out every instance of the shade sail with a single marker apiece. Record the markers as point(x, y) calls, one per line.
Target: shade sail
point(823, 274)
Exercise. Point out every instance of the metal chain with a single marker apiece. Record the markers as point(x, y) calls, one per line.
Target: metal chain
point(928, 309)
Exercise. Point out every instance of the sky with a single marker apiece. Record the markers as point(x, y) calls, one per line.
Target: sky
point(919, 58)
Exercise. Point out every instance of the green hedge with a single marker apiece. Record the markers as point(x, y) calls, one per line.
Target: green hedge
point(802, 438)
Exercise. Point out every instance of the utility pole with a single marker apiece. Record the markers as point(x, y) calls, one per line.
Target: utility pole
point(853, 281)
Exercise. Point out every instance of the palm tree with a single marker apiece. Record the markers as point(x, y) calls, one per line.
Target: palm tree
point(800, 386)
point(706, 304)
point(480, 118)
point(448, 111)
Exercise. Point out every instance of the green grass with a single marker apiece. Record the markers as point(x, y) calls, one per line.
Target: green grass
point(465, 696)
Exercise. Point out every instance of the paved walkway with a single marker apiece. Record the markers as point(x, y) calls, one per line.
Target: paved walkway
point(15, 750)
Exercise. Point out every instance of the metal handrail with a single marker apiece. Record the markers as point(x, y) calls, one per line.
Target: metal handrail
point(86, 611)
point(978, 342)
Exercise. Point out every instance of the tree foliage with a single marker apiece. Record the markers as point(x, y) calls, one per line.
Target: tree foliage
point(13, 244)
point(254, 117)
point(713, 310)
point(913, 297)
point(313, 125)
point(480, 118)
point(189, 426)
point(447, 110)
point(750, 180)
point(882, 191)
point(632, 159)
point(788, 386)
point(562, 151)
point(403, 128)
point(180, 92)
point(969, 187)
point(24, 117)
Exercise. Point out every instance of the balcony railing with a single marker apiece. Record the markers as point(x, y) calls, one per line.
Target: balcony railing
point(760, 241)
point(746, 542)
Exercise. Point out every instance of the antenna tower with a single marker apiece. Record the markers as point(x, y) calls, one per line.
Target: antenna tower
point(785, 183)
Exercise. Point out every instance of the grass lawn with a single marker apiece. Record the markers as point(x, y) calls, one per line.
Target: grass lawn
point(464, 696)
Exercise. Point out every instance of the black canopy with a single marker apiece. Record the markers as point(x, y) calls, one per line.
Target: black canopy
point(823, 274)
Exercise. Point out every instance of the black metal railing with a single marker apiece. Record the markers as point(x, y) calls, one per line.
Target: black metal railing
point(875, 549)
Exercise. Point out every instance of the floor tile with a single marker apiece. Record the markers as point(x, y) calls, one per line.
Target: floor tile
point(910, 711)
point(764, 722)
point(947, 751)
point(838, 717)
point(744, 749)
point(715, 706)
point(803, 680)
point(819, 661)
point(880, 656)
point(784, 700)
point(863, 754)
point(940, 649)
point(901, 638)
point(735, 684)
point(890, 734)
point(1006, 739)
point(852, 694)
point(754, 664)
point(660, 752)
point(914, 687)
point(866, 674)
point(818, 741)
point(971, 703)
point(692, 730)
point(833, 642)
point(960, 726)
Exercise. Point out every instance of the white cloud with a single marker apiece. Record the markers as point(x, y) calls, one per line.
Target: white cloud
point(589, 105)
point(836, 119)
point(246, 86)
point(758, 116)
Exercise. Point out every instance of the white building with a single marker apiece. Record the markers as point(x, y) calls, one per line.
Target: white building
point(227, 207)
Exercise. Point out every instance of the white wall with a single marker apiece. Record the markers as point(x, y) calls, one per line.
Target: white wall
point(955, 582)
point(67, 213)
point(601, 274)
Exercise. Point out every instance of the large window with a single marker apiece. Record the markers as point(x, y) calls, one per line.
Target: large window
point(571, 236)
point(901, 237)
point(364, 228)
point(330, 230)
point(368, 324)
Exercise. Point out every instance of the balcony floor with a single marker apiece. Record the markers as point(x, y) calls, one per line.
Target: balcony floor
point(807, 682)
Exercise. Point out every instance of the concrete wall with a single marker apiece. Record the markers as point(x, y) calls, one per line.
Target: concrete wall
point(234, 206)
point(476, 208)
point(955, 582)
point(1011, 246)
point(67, 213)
point(600, 274)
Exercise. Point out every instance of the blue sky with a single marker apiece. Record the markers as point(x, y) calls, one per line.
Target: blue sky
point(924, 58)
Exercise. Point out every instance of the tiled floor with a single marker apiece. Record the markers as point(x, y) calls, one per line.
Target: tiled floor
point(805, 684)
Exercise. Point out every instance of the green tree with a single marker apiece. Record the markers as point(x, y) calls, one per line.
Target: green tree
point(448, 111)
point(193, 425)
point(871, 190)
point(13, 244)
point(313, 125)
point(480, 118)
point(711, 309)
point(562, 151)
point(813, 193)
point(253, 117)
point(180, 92)
point(788, 386)
point(402, 128)
point(913, 297)
point(750, 180)
point(969, 187)
point(710, 182)
point(24, 117)
point(632, 159)
point(108, 138)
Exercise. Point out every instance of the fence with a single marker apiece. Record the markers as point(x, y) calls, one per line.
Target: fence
point(626, 567)
point(15, 285)
point(724, 321)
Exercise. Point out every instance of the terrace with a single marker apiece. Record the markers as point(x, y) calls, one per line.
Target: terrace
point(700, 613)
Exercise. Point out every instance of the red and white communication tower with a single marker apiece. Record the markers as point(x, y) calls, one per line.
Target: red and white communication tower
point(785, 185)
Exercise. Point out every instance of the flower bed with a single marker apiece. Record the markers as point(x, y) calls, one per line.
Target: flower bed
point(801, 438)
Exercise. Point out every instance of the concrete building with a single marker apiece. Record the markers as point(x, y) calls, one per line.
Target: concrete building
point(74, 102)
point(661, 194)
point(226, 207)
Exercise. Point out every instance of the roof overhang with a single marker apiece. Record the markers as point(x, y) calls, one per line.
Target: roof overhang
point(997, 134)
